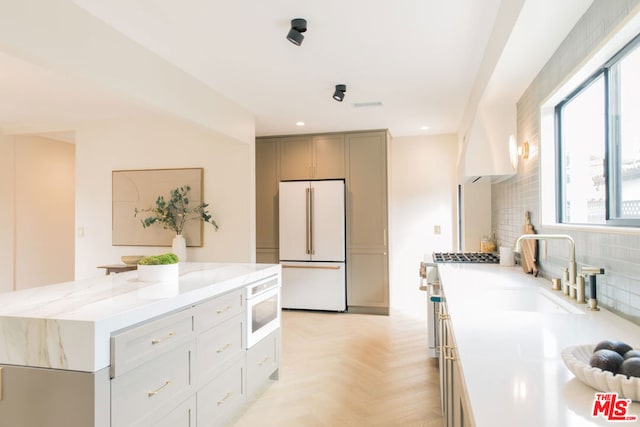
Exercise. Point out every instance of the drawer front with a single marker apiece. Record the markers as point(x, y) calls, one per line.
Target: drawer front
point(219, 345)
point(219, 400)
point(262, 360)
point(182, 416)
point(155, 386)
point(213, 312)
point(136, 346)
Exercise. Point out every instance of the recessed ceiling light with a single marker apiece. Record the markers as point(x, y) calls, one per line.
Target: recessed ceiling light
point(424, 127)
point(299, 123)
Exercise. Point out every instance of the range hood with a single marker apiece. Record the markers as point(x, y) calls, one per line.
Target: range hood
point(487, 156)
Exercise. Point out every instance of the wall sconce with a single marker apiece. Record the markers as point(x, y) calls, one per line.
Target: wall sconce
point(517, 152)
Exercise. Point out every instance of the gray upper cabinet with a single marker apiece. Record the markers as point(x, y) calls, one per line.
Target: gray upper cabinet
point(328, 157)
point(295, 158)
point(312, 157)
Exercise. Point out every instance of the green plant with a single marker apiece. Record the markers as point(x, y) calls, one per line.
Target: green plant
point(174, 213)
point(159, 259)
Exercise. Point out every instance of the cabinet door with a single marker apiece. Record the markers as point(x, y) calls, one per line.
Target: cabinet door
point(328, 157)
point(38, 397)
point(367, 256)
point(219, 400)
point(267, 177)
point(367, 186)
point(366, 287)
point(295, 158)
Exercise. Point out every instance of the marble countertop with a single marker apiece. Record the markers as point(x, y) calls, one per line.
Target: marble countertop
point(68, 325)
point(510, 359)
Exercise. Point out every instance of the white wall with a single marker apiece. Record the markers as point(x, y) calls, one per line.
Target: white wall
point(6, 213)
point(229, 186)
point(37, 216)
point(422, 196)
point(44, 211)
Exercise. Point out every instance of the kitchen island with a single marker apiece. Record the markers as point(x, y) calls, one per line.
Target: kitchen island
point(114, 351)
point(508, 342)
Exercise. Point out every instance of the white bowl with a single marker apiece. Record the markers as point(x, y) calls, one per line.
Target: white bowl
point(158, 273)
point(577, 358)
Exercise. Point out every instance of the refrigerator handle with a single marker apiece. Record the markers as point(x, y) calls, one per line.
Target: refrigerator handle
point(307, 220)
point(311, 248)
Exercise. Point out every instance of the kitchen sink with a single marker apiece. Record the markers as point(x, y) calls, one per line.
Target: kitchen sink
point(528, 300)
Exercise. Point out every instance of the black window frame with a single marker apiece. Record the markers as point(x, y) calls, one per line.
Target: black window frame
point(612, 163)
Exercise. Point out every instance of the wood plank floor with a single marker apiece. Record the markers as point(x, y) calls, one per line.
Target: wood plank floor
point(343, 369)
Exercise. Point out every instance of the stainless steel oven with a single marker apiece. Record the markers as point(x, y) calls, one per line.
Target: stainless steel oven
point(430, 282)
point(263, 309)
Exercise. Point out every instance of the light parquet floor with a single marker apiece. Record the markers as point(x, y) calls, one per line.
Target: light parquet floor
point(356, 370)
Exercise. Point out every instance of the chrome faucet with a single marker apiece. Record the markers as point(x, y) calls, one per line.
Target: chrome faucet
point(572, 250)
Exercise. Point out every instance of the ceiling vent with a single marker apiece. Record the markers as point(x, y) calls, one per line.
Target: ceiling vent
point(367, 104)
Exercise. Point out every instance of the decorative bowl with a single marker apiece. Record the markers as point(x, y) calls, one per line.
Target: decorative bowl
point(577, 358)
point(131, 259)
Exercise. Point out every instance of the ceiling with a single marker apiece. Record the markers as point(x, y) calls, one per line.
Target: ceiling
point(419, 59)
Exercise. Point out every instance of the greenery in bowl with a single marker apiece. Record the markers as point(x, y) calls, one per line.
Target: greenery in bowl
point(174, 213)
point(163, 259)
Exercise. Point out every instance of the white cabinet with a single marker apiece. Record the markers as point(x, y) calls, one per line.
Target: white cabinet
point(155, 386)
point(189, 367)
point(263, 360)
point(221, 397)
point(137, 345)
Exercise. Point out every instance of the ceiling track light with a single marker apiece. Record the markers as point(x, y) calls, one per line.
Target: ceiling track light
point(298, 26)
point(338, 94)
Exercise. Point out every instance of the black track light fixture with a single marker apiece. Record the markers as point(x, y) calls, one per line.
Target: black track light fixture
point(298, 26)
point(338, 95)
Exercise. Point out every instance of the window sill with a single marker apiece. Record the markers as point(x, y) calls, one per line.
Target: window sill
point(604, 229)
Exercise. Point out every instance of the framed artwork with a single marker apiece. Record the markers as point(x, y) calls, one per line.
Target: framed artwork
point(139, 189)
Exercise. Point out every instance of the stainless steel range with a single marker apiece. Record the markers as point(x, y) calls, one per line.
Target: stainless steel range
point(430, 282)
point(467, 257)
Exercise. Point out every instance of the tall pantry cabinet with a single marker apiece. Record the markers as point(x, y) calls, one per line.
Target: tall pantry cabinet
point(361, 159)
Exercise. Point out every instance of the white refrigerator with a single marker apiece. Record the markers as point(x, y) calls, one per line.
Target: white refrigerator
point(312, 244)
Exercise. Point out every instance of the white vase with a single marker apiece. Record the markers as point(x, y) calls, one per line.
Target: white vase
point(179, 247)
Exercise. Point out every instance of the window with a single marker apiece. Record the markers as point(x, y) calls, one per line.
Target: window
point(598, 145)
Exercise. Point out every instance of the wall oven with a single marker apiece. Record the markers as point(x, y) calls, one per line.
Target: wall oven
point(263, 309)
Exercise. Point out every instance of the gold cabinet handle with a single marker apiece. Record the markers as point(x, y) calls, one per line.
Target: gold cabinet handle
point(159, 389)
point(265, 360)
point(224, 310)
point(159, 340)
point(226, 347)
point(317, 267)
point(224, 399)
point(449, 352)
point(0, 383)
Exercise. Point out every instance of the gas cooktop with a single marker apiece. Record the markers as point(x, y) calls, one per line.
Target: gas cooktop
point(476, 257)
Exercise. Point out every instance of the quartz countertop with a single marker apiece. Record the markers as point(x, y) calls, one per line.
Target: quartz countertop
point(510, 359)
point(68, 325)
